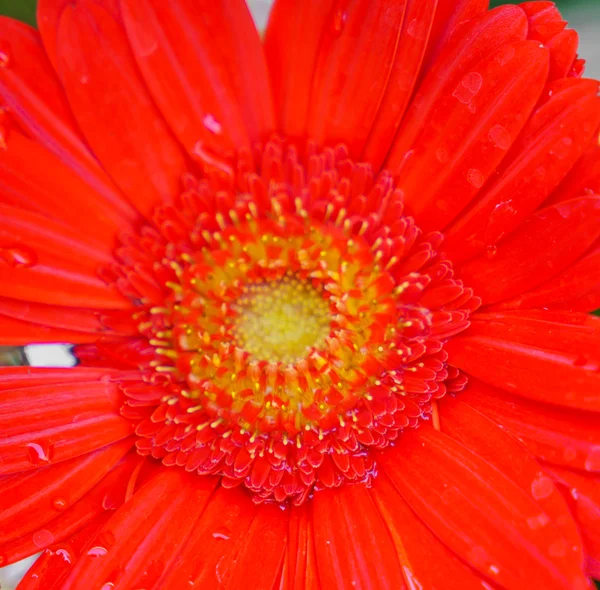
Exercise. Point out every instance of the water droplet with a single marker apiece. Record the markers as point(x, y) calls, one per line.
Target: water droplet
point(541, 487)
point(65, 555)
point(592, 462)
point(4, 58)
point(39, 452)
point(108, 586)
point(18, 256)
point(494, 569)
point(562, 149)
point(43, 538)
point(84, 79)
point(222, 534)
point(475, 177)
point(60, 503)
point(469, 86)
point(442, 155)
point(97, 551)
point(505, 55)
point(478, 556)
point(491, 251)
point(340, 17)
point(537, 522)
point(212, 124)
point(500, 136)
point(558, 548)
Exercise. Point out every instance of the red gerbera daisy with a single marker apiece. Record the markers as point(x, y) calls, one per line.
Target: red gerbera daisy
point(328, 296)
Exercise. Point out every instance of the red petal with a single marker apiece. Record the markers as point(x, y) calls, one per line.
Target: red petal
point(352, 544)
point(584, 178)
point(457, 149)
point(72, 515)
point(178, 52)
point(583, 493)
point(548, 147)
point(484, 36)
point(20, 377)
point(294, 24)
point(491, 443)
point(416, 26)
point(45, 424)
point(547, 356)
point(576, 289)
point(547, 243)
point(426, 562)
point(480, 513)
point(14, 332)
point(28, 500)
point(223, 550)
point(113, 109)
point(56, 191)
point(143, 538)
point(300, 569)
point(360, 37)
point(42, 260)
point(30, 91)
point(557, 435)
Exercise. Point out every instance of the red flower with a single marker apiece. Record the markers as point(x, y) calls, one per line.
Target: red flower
point(298, 370)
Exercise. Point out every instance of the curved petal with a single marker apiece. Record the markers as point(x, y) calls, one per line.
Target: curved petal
point(361, 36)
point(547, 356)
point(300, 567)
point(584, 177)
point(144, 536)
point(29, 500)
point(44, 424)
point(426, 561)
point(70, 514)
point(234, 541)
point(457, 150)
point(557, 435)
point(406, 68)
point(480, 514)
point(38, 263)
point(509, 456)
point(547, 243)
point(291, 25)
point(485, 35)
point(19, 377)
point(113, 109)
point(548, 147)
point(15, 332)
point(352, 544)
point(32, 94)
point(215, 97)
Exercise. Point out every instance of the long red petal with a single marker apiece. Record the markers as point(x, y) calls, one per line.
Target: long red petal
point(30, 91)
point(44, 424)
point(547, 356)
point(144, 536)
point(353, 546)
point(557, 435)
point(546, 150)
point(547, 243)
point(113, 109)
point(475, 431)
point(189, 72)
point(406, 68)
point(300, 568)
point(361, 36)
point(29, 500)
point(426, 561)
point(458, 150)
point(480, 513)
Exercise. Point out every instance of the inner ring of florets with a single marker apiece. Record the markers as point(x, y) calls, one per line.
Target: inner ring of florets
point(300, 329)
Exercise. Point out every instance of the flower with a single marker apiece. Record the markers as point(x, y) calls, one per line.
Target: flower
point(329, 296)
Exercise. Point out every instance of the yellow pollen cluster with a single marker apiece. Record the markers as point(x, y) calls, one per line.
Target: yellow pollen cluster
point(280, 321)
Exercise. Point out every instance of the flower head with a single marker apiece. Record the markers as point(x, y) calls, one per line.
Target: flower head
point(328, 294)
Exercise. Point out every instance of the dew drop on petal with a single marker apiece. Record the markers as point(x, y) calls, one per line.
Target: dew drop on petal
point(542, 487)
point(475, 177)
point(339, 20)
point(38, 452)
point(18, 257)
point(107, 586)
point(442, 155)
point(539, 521)
point(43, 538)
point(558, 548)
point(222, 534)
point(562, 149)
point(491, 251)
point(60, 503)
point(468, 87)
point(592, 462)
point(500, 136)
point(65, 555)
point(212, 124)
point(97, 551)
point(4, 58)
point(505, 55)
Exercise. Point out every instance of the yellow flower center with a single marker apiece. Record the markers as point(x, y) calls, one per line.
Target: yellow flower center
point(280, 321)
